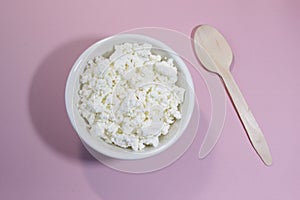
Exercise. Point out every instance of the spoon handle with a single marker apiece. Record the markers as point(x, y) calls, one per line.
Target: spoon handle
point(251, 126)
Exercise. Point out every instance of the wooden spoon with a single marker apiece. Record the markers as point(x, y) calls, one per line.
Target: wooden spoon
point(216, 56)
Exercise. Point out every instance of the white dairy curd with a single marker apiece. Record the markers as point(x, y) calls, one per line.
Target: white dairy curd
point(129, 98)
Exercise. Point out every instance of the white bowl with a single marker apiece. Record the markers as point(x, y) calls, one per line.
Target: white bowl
point(100, 147)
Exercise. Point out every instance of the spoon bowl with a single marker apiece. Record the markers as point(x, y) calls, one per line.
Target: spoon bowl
point(213, 48)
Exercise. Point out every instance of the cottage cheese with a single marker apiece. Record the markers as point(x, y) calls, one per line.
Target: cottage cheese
point(130, 99)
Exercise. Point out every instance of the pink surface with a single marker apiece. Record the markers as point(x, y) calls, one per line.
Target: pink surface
point(41, 157)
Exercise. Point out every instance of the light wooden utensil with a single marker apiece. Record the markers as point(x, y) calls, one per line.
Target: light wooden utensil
point(216, 56)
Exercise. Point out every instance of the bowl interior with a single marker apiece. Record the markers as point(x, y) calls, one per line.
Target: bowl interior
point(72, 98)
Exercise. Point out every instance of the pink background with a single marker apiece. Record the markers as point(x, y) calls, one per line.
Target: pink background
point(41, 157)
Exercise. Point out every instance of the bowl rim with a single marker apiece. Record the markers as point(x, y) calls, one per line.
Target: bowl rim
point(69, 100)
